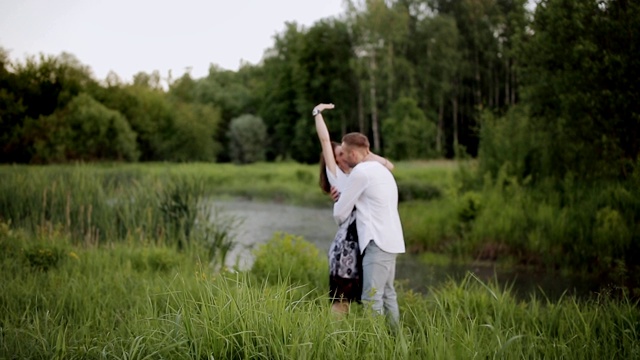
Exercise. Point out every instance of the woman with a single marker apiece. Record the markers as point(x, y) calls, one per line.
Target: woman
point(345, 268)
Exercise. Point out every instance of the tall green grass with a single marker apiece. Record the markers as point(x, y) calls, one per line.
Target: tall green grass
point(135, 301)
point(590, 227)
point(97, 203)
point(446, 207)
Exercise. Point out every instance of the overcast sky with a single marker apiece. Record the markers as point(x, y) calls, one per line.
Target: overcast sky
point(128, 36)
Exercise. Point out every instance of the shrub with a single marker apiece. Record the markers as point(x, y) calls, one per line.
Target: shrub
point(290, 257)
point(611, 235)
point(469, 207)
point(43, 256)
point(86, 130)
point(247, 139)
point(178, 203)
point(154, 259)
point(417, 190)
point(409, 134)
point(10, 241)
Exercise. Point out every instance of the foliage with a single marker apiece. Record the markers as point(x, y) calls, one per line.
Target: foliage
point(441, 65)
point(279, 105)
point(323, 76)
point(461, 63)
point(578, 71)
point(291, 258)
point(85, 130)
point(217, 238)
point(408, 133)
point(557, 225)
point(417, 190)
point(90, 305)
point(591, 228)
point(179, 204)
point(32, 90)
point(469, 207)
point(194, 136)
point(451, 58)
point(430, 226)
point(511, 143)
point(230, 93)
point(247, 139)
point(154, 259)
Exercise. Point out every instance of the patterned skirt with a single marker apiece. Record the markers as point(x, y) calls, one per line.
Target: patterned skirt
point(345, 263)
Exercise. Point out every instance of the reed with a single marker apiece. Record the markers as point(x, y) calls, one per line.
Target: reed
point(99, 302)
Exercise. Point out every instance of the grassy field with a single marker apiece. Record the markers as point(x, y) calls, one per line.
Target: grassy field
point(116, 262)
point(133, 301)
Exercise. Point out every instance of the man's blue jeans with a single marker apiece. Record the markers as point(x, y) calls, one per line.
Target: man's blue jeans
point(378, 274)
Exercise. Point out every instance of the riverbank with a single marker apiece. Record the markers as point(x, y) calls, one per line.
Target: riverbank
point(446, 208)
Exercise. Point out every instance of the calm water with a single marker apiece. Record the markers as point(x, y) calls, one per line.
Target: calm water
point(257, 222)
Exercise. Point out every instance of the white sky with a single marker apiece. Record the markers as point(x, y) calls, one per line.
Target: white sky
point(146, 35)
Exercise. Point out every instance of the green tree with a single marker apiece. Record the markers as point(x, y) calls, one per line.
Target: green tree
point(439, 67)
point(194, 138)
point(325, 78)
point(581, 73)
point(247, 139)
point(32, 90)
point(150, 114)
point(85, 130)
point(408, 133)
point(183, 89)
point(12, 110)
point(279, 106)
point(230, 92)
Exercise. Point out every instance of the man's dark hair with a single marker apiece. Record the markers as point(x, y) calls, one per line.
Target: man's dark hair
point(356, 139)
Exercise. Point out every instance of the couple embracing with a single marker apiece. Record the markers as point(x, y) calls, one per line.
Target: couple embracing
point(362, 257)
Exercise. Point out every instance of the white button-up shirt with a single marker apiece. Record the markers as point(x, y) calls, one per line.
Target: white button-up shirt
point(372, 189)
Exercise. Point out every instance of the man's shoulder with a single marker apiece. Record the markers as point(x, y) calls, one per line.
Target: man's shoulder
point(369, 169)
point(364, 167)
point(369, 164)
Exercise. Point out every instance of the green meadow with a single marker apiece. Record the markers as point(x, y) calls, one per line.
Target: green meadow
point(120, 261)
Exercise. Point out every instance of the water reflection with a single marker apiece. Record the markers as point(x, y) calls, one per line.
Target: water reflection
point(259, 221)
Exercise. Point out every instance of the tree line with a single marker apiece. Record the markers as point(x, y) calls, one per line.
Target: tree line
point(550, 90)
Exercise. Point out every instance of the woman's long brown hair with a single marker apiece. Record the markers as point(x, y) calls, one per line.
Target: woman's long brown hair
point(324, 180)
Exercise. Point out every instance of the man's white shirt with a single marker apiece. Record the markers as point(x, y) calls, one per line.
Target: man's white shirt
point(372, 189)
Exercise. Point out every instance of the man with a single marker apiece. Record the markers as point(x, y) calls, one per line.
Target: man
point(372, 190)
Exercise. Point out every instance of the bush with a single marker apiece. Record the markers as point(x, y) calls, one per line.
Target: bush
point(417, 190)
point(510, 140)
point(611, 235)
point(10, 241)
point(409, 134)
point(154, 259)
point(85, 130)
point(469, 207)
point(44, 256)
point(247, 139)
point(428, 225)
point(290, 257)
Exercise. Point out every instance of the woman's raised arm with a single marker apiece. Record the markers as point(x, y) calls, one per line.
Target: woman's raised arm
point(323, 136)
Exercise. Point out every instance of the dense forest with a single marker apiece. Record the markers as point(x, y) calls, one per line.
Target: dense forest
point(550, 88)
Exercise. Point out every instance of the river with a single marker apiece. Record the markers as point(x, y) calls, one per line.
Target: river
point(256, 222)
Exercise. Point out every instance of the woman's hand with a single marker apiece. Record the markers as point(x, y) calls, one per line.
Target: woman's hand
point(335, 194)
point(320, 107)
